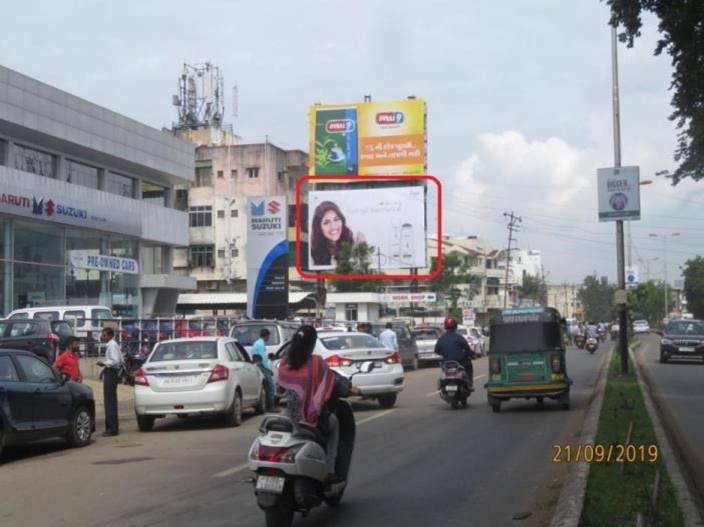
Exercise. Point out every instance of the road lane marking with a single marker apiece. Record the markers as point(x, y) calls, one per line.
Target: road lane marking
point(244, 466)
point(438, 391)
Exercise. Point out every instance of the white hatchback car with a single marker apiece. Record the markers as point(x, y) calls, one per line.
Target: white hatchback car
point(343, 351)
point(197, 376)
point(641, 326)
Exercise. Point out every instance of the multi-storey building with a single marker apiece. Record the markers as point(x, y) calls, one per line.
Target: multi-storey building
point(86, 206)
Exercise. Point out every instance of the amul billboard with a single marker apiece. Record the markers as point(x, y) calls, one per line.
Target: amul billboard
point(371, 138)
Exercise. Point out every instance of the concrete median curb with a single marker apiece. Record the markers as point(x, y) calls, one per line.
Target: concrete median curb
point(569, 505)
point(685, 500)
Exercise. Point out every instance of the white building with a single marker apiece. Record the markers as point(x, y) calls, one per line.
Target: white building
point(526, 262)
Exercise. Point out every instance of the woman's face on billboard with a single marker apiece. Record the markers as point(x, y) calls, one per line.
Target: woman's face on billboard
point(331, 225)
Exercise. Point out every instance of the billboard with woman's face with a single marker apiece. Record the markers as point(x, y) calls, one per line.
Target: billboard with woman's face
point(391, 220)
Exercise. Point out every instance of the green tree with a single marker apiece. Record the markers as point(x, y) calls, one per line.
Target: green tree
point(596, 294)
point(455, 274)
point(534, 288)
point(694, 286)
point(355, 259)
point(647, 301)
point(682, 36)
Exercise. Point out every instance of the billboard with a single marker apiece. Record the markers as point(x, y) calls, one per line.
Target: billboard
point(267, 257)
point(391, 220)
point(370, 138)
point(619, 193)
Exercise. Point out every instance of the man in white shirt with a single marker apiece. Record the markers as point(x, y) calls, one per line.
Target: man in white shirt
point(112, 364)
point(388, 337)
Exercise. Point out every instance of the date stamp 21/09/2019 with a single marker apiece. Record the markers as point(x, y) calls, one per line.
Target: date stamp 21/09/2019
point(613, 453)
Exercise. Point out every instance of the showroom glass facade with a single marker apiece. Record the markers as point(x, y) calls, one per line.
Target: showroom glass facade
point(36, 270)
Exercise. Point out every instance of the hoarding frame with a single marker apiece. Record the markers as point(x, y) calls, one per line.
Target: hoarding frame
point(317, 275)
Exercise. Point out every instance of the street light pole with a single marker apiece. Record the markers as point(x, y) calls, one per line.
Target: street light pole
point(621, 268)
point(664, 238)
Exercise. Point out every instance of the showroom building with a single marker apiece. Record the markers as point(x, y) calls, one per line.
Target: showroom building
point(86, 204)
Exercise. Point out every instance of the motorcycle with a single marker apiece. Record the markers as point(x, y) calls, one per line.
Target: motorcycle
point(592, 344)
point(602, 335)
point(580, 341)
point(454, 385)
point(290, 464)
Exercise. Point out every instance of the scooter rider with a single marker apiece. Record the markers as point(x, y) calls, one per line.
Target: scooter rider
point(453, 346)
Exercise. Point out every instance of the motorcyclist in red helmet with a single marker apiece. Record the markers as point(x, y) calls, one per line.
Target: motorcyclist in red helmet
point(453, 346)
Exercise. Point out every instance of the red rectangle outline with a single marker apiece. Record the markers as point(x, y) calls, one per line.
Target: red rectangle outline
point(334, 276)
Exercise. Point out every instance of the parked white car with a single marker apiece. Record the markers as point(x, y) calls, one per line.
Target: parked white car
point(641, 326)
point(197, 376)
point(343, 351)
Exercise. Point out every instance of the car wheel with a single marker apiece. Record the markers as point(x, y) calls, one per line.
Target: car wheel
point(663, 358)
point(81, 428)
point(388, 400)
point(496, 407)
point(2, 441)
point(233, 417)
point(145, 423)
point(260, 408)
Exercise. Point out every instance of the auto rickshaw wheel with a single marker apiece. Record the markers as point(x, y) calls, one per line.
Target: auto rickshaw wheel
point(564, 401)
point(540, 400)
point(496, 406)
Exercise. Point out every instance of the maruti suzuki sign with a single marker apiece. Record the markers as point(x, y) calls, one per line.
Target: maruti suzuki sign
point(267, 257)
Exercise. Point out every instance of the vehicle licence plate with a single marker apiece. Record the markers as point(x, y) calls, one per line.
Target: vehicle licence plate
point(451, 388)
point(180, 380)
point(271, 484)
point(687, 349)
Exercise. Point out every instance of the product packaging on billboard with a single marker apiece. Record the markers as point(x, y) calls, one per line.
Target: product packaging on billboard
point(336, 141)
point(391, 220)
point(619, 193)
point(267, 257)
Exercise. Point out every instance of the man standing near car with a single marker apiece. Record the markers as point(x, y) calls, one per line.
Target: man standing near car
point(259, 350)
point(112, 363)
point(388, 337)
point(67, 362)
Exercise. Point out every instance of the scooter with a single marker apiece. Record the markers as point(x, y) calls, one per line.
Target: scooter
point(580, 341)
point(592, 344)
point(290, 464)
point(454, 385)
point(602, 335)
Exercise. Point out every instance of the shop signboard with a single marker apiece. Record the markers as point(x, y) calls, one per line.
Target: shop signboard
point(619, 193)
point(390, 220)
point(405, 298)
point(369, 138)
point(103, 262)
point(267, 257)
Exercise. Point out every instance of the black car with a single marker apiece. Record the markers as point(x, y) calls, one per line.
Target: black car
point(682, 339)
point(36, 402)
point(41, 337)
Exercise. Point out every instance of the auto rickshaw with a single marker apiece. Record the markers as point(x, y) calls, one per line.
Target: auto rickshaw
point(527, 357)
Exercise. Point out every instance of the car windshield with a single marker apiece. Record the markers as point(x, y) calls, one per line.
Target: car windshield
point(640, 323)
point(685, 327)
point(62, 328)
point(247, 334)
point(425, 334)
point(350, 342)
point(185, 350)
point(101, 314)
point(462, 331)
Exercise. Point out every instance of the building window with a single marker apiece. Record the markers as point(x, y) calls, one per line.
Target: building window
point(235, 253)
point(204, 174)
point(280, 176)
point(221, 214)
point(234, 213)
point(120, 185)
point(3, 149)
point(233, 173)
point(34, 161)
point(154, 194)
point(350, 311)
point(200, 216)
point(153, 261)
point(201, 256)
point(221, 253)
point(80, 174)
point(253, 172)
point(220, 174)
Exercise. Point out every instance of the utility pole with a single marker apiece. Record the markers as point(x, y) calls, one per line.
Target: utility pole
point(513, 222)
point(621, 268)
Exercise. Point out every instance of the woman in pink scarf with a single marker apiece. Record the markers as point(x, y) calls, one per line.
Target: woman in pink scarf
point(309, 384)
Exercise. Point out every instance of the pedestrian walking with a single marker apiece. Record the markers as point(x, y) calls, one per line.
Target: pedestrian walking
point(388, 337)
point(112, 364)
point(264, 364)
point(67, 362)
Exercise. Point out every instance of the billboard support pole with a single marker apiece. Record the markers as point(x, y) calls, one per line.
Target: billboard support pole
point(621, 268)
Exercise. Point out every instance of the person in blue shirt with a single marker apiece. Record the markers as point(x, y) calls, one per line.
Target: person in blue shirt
point(388, 337)
point(264, 364)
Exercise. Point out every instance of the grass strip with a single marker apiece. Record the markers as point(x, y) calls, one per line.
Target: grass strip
point(615, 493)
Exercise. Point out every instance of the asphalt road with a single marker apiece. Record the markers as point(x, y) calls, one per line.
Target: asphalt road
point(417, 464)
point(678, 389)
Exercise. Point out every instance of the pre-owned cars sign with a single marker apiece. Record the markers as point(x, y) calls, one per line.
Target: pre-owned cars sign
point(619, 193)
point(267, 257)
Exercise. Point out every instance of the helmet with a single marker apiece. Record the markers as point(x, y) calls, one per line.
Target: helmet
point(450, 323)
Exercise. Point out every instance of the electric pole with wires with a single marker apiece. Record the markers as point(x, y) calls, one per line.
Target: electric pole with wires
point(512, 226)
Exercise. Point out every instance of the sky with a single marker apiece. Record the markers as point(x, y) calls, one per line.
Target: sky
point(518, 96)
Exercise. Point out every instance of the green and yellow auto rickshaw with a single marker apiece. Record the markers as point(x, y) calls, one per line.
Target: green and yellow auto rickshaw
point(527, 357)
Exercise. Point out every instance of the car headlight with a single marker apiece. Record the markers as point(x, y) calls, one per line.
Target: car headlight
point(666, 342)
